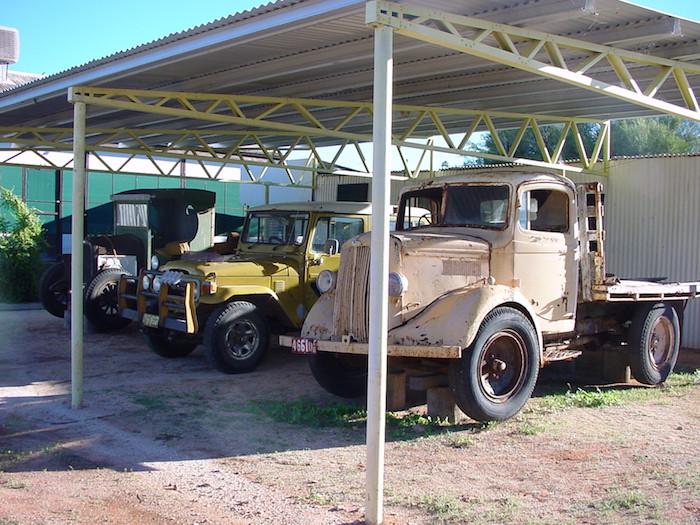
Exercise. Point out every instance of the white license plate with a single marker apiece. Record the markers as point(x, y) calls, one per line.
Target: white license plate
point(150, 320)
point(301, 345)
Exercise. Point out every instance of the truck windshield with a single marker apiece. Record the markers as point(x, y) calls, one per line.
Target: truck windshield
point(473, 205)
point(275, 227)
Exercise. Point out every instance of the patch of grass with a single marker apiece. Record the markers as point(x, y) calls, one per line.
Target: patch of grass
point(446, 509)
point(150, 402)
point(307, 413)
point(621, 500)
point(311, 414)
point(7, 454)
point(12, 483)
point(531, 429)
point(459, 441)
point(9, 521)
point(581, 398)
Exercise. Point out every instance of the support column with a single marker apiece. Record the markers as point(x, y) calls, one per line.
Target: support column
point(379, 271)
point(77, 235)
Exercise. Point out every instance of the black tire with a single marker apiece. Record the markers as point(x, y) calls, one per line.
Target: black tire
point(167, 344)
point(654, 343)
point(101, 305)
point(496, 375)
point(54, 290)
point(236, 338)
point(343, 375)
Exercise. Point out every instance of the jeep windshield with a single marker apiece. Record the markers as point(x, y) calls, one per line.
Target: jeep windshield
point(473, 205)
point(275, 227)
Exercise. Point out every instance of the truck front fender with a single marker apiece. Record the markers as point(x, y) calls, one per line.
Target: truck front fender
point(454, 319)
point(225, 293)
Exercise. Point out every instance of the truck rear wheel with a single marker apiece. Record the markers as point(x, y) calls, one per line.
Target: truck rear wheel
point(496, 375)
point(165, 346)
point(101, 302)
point(654, 342)
point(54, 289)
point(236, 338)
point(343, 375)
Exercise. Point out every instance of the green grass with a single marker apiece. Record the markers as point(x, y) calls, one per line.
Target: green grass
point(555, 399)
point(310, 414)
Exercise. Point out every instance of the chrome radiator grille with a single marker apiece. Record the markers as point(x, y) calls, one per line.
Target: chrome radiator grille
point(351, 315)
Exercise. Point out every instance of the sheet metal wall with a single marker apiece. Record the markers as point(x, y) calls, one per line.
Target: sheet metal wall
point(652, 224)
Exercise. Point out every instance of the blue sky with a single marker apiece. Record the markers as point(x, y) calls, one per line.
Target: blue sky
point(57, 35)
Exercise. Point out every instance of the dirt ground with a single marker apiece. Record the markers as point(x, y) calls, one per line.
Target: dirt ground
point(163, 441)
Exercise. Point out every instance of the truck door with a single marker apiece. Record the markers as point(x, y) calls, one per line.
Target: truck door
point(545, 252)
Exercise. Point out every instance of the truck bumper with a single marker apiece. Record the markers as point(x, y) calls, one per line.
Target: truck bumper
point(158, 309)
point(303, 345)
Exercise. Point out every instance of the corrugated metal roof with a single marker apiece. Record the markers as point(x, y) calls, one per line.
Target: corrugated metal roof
point(323, 49)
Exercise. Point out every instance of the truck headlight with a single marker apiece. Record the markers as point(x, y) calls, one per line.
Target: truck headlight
point(155, 263)
point(325, 281)
point(157, 282)
point(146, 281)
point(398, 284)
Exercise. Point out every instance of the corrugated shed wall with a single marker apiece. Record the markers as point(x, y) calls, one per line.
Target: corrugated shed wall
point(652, 224)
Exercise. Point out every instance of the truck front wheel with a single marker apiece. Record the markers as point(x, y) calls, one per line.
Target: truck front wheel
point(166, 344)
point(654, 342)
point(343, 375)
point(496, 375)
point(101, 302)
point(236, 338)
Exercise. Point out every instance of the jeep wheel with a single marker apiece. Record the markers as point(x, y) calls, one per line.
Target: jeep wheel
point(236, 338)
point(54, 290)
point(101, 305)
point(654, 343)
point(495, 376)
point(343, 375)
point(166, 344)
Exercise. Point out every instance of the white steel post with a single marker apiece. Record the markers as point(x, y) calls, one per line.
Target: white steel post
point(77, 235)
point(379, 270)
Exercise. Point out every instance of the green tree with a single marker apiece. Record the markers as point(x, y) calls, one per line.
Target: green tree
point(657, 135)
point(21, 243)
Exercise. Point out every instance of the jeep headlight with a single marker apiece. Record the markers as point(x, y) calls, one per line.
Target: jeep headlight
point(146, 281)
point(398, 284)
point(325, 281)
point(155, 263)
point(157, 282)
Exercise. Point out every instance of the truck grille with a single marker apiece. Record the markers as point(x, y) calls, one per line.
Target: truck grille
point(351, 315)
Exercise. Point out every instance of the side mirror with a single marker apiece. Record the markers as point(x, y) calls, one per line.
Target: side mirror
point(331, 246)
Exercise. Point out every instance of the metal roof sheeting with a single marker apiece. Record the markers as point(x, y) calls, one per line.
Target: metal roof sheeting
point(324, 49)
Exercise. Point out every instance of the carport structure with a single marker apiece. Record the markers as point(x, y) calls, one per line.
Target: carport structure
point(325, 76)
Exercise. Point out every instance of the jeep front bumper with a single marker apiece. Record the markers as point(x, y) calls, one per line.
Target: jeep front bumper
point(172, 306)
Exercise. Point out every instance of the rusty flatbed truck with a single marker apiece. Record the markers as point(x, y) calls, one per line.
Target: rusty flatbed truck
point(232, 303)
point(504, 274)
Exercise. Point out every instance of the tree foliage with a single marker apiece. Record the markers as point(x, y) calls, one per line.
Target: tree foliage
point(21, 243)
point(649, 136)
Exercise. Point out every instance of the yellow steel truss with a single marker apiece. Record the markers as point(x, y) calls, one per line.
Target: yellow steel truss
point(564, 59)
point(248, 131)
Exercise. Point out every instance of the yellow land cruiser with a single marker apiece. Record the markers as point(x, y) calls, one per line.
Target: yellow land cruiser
point(232, 303)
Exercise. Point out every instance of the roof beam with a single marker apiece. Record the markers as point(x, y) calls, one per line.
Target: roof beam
point(316, 122)
point(567, 60)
